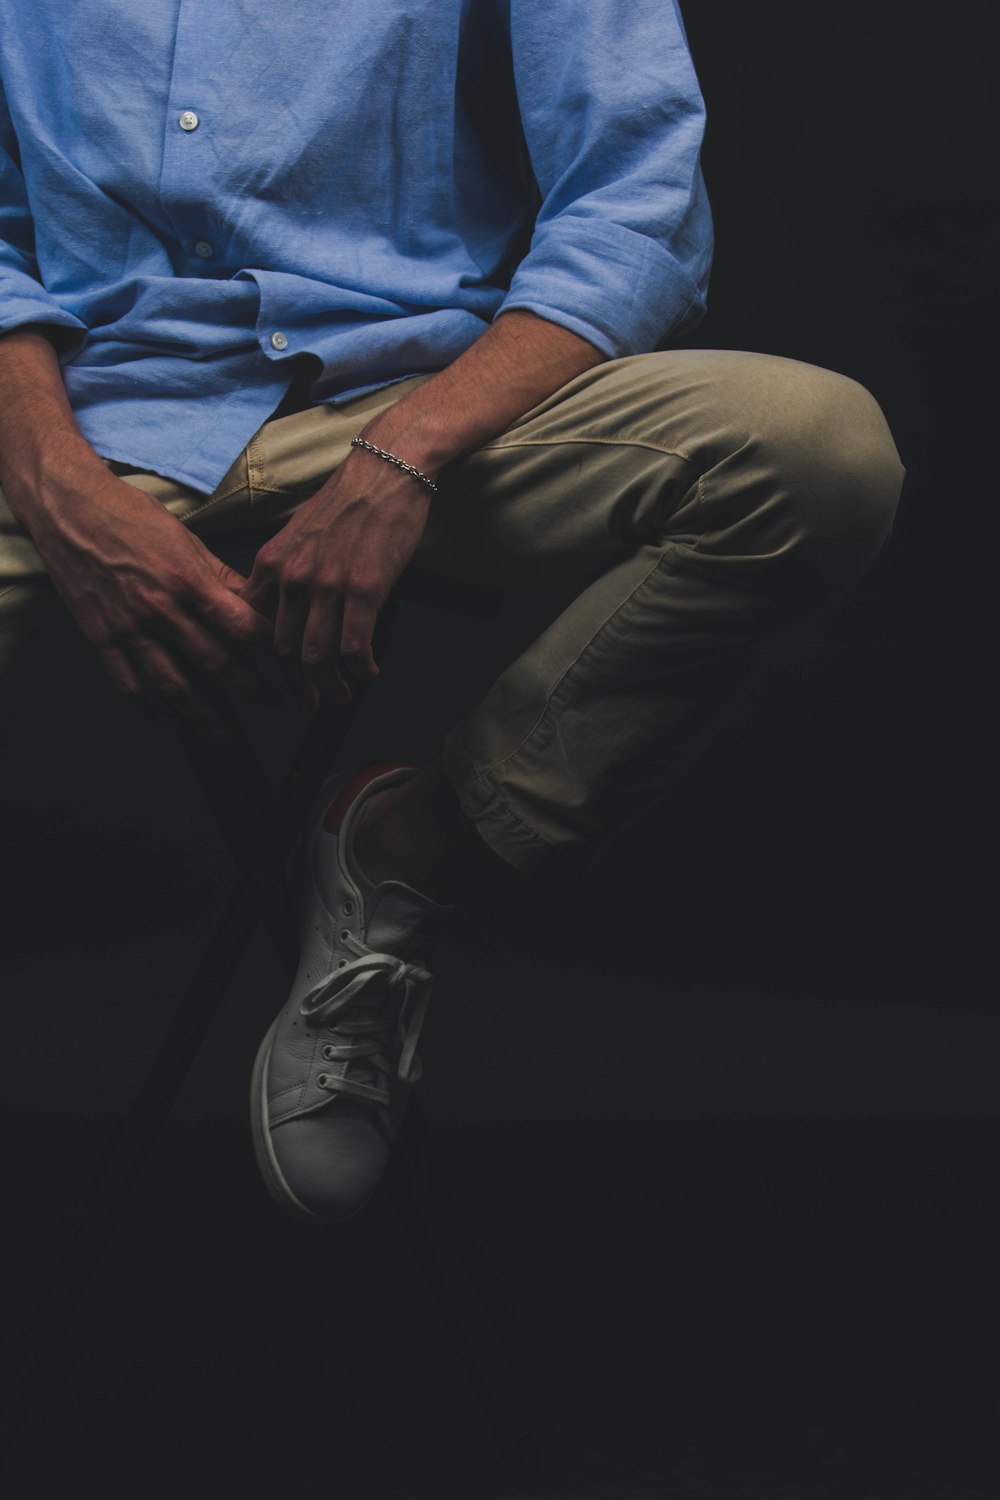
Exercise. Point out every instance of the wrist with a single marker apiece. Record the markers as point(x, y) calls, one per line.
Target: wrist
point(411, 436)
point(43, 454)
point(400, 464)
point(42, 474)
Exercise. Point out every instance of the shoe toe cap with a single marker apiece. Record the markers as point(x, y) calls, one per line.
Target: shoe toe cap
point(327, 1164)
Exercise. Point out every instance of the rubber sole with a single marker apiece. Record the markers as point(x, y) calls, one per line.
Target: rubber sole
point(260, 1133)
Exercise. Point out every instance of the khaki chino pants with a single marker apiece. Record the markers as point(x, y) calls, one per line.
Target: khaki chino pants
point(699, 502)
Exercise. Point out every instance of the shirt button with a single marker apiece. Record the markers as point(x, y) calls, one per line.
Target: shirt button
point(188, 120)
point(204, 248)
point(279, 340)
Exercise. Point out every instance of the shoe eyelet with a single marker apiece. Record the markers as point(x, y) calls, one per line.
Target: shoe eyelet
point(341, 963)
point(328, 1054)
point(321, 1079)
point(345, 934)
point(348, 908)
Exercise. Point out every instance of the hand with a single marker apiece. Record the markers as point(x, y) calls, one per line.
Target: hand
point(159, 608)
point(326, 575)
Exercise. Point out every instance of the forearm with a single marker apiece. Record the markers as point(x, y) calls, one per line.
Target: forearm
point(43, 454)
point(516, 363)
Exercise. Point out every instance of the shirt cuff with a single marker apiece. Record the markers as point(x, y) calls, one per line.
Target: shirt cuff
point(24, 301)
point(617, 288)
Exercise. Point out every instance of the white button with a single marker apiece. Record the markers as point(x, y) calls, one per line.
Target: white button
point(279, 341)
point(204, 248)
point(188, 120)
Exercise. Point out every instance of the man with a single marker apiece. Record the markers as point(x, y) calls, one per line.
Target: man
point(374, 285)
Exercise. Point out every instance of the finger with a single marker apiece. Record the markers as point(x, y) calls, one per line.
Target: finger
point(121, 671)
point(234, 620)
point(130, 684)
point(236, 674)
point(289, 627)
point(172, 688)
point(290, 622)
point(357, 629)
point(230, 578)
point(261, 595)
point(261, 589)
point(247, 639)
point(241, 674)
point(321, 647)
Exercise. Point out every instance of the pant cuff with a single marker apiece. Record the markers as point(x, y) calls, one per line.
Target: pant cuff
point(482, 800)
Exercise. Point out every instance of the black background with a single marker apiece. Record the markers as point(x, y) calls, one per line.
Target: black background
point(726, 1113)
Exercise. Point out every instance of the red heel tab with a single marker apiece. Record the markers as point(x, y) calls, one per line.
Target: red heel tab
point(337, 811)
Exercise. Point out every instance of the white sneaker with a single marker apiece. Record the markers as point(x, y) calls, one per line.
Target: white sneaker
point(333, 1074)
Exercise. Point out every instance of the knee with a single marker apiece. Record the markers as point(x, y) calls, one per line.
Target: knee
point(834, 471)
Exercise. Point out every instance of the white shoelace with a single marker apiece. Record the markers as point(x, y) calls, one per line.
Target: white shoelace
point(358, 1000)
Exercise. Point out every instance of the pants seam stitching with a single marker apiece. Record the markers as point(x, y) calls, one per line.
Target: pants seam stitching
point(208, 504)
point(500, 445)
point(255, 466)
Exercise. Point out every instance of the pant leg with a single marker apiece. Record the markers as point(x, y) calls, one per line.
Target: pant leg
point(702, 500)
point(708, 500)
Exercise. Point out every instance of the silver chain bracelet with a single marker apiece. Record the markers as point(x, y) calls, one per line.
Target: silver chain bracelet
point(390, 458)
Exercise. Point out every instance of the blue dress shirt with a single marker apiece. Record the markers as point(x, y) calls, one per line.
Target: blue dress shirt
point(197, 193)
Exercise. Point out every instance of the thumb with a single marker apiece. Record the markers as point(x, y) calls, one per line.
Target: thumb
point(229, 577)
point(224, 574)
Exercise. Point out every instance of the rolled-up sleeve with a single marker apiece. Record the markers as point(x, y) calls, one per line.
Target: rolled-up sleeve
point(23, 298)
point(613, 120)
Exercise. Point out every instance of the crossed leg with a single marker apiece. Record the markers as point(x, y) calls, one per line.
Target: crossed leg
point(702, 501)
point(697, 504)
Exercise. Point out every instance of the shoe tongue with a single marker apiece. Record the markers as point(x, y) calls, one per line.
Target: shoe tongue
point(402, 920)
